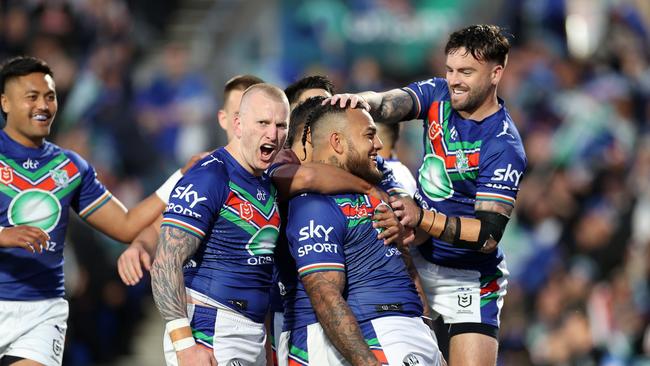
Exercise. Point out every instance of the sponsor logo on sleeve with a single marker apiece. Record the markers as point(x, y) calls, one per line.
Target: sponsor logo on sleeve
point(6, 175)
point(318, 233)
point(507, 174)
point(505, 132)
point(186, 194)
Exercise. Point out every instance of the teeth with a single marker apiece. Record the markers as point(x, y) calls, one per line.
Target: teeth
point(40, 117)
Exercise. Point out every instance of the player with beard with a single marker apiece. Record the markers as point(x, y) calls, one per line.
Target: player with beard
point(473, 165)
point(355, 302)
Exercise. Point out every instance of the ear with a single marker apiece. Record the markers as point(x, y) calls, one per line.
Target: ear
point(337, 143)
point(222, 117)
point(237, 131)
point(497, 73)
point(5, 103)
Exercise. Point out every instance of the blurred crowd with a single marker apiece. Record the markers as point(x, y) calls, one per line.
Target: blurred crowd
point(578, 247)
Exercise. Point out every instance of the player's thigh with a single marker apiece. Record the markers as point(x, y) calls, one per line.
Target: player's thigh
point(17, 361)
point(397, 340)
point(464, 296)
point(232, 337)
point(473, 349)
point(277, 322)
point(309, 346)
point(33, 330)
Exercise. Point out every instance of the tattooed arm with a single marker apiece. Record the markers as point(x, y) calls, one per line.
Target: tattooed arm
point(325, 292)
point(391, 106)
point(481, 233)
point(167, 284)
point(168, 289)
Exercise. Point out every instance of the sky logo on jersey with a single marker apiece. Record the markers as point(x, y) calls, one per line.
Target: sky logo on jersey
point(6, 175)
point(507, 174)
point(318, 248)
point(188, 195)
point(313, 232)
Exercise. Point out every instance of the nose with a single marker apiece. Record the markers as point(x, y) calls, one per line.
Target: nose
point(42, 103)
point(452, 78)
point(272, 132)
point(378, 145)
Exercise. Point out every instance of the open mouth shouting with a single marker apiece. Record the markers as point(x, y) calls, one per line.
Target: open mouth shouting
point(267, 152)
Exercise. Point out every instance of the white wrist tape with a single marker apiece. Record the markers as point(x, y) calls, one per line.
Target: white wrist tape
point(176, 323)
point(184, 343)
point(166, 188)
point(1, 228)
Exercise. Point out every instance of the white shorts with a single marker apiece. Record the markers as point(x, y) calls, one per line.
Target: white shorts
point(461, 295)
point(277, 323)
point(394, 340)
point(234, 339)
point(34, 330)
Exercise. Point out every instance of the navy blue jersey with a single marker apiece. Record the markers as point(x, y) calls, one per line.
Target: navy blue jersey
point(335, 233)
point(235, 215)
point(37, 188)
point(465, 161)
point(285, 277)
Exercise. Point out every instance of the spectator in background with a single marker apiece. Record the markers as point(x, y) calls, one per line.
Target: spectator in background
point(175, 107)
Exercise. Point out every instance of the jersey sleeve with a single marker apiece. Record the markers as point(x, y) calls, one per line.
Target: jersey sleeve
point(424, 93)
point(91, 194)
point(196, 200)
point(389, 182)
point(316, 233)
point(501, 169)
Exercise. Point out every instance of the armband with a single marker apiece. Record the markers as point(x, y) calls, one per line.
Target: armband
point(473, 233)
point(166, 188)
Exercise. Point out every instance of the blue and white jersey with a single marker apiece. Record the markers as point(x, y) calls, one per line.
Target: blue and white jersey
point(335, 233)
point(37, 188)
point(235, 215)
point(465, 161)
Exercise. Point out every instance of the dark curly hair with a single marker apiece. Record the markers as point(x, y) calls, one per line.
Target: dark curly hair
point(485, 42)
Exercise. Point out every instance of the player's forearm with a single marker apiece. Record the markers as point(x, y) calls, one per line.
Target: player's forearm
point(465, 232)
point(337, 320)
point(143, 215)
point(167, 285)
point(148, 237)
point(293, 179)
point(389, 107)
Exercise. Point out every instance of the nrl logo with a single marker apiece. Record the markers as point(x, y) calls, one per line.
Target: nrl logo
point(60, 177)
point(246, 211)
point(464, 300)
point(6, 175)
point(434, 130)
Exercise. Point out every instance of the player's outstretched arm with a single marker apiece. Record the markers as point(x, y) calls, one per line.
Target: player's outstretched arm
point(294, 179)
point(325, 292)
point(139, 254)
point(391, 106)
point(168, 289)
point(114, 220)
point(30, 238)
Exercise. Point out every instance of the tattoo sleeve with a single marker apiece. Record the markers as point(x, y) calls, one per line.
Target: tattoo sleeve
point(167, 284)
point(335, 316)
point(497, 207)
point(391, 106)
